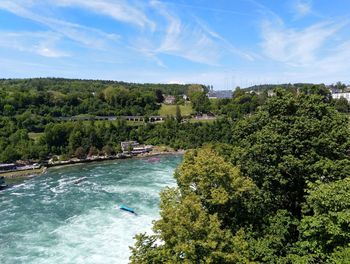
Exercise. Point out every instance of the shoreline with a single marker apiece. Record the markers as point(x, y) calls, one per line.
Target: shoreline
point(27, 174)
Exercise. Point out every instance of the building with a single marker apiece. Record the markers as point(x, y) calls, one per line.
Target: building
point(134, 147)
point(169, 99)
point(222, 94)
point(127, 146)
point(340, 95)
point(8, 167)
point(271, 93)
point(141, 149)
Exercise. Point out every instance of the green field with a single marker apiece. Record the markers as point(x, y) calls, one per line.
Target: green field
point(170, 110)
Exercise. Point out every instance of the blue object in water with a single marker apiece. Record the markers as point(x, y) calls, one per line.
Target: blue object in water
point(125, 208)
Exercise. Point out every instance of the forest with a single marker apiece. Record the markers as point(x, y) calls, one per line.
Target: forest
point(30, 108)
point(275, 190)
point(33, 107)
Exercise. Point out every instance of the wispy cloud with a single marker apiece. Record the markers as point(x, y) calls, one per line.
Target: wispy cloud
point(303, 7)
point(194, 41)
point(296, 47)
point(41, 43)
point(90, 37)
point(118, 10)
point(187, 41)
point(226, 44)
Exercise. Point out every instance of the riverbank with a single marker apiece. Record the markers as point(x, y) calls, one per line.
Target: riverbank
point(155, 151)
point(15, 176)
point(23, 173)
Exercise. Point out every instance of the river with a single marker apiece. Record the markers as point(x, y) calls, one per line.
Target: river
point(49, 219)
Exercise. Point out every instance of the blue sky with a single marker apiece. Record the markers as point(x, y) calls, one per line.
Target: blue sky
point(224, 43)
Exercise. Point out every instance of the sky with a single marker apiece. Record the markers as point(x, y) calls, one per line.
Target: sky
point(224, 43)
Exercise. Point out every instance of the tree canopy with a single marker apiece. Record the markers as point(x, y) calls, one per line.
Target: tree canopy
point(275, 192)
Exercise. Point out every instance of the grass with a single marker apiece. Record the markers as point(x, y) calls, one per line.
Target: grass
point(170, 110)
point(35, 136)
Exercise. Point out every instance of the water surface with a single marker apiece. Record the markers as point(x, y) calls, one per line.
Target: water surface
point(49, 219)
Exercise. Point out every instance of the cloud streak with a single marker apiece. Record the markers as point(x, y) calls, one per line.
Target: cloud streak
point(90, 37)
point(186, 41)
point(41, 43)
point(303, 7)
point(194, 41)
point(296, 47)
point(118, 10)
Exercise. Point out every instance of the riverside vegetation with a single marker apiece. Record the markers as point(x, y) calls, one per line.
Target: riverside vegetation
point(267, 182)
point(278, 192)
point(29, 108)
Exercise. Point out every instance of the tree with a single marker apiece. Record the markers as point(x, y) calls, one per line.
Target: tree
point(340, 86)
point(342, 105)
point(93, 151)
point(108, 150)
point(194, 88)
point(159, 96)
point(325, 225)
point(290, 141)
point(9, 154)
point(196, 218)
point(200, 102)
point(238, 92)
point(178, 115)
point(80, 153)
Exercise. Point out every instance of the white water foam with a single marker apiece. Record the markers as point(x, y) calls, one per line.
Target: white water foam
point(49, 219)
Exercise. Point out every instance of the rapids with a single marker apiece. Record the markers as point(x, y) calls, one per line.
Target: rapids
point(49, 219)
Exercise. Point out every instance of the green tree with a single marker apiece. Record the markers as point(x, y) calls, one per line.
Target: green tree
point(199, 220)
point(342, 105)
point(290, 141)
point(325, 225)
point(178, 115)
point(80, 153)
point(159, 96)
point(200, 102)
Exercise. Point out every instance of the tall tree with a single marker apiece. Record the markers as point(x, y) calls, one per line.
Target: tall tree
point(290, 141)
point(178, 115)
point(196, 224)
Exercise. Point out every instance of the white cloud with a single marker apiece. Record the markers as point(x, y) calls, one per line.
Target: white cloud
point(41, 43)
point(194, 42)
point(118, 10)
point(90, 37)
point(303, 7)
point(186, 41)
point(296, 47)
point(226, 44)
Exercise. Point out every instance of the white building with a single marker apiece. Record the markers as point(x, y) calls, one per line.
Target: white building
point(339, 95)
point(134, 147)
point(170, 99)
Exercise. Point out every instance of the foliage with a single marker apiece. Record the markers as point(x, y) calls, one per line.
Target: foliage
point(342, 105)
point(178, 115)
point(325, 225)
point(275, 190)
point(293, 140)
point(200, 102)
point(195, 216)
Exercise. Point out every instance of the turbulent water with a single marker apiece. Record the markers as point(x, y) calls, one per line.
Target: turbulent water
point(49, 219)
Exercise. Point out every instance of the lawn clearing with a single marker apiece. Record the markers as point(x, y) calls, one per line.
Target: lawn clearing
point(170, 110)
